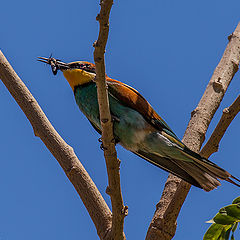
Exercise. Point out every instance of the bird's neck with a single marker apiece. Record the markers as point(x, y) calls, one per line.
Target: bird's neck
point(77, 77)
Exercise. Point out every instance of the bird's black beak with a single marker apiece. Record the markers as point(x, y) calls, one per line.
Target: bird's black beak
point(55, 64)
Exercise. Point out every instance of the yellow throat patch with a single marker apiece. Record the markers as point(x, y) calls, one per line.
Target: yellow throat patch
point(77, 77)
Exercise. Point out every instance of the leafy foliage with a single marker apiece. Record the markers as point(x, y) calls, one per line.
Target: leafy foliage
point(225, 222)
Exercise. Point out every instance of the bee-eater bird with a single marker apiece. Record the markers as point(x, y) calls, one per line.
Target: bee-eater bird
point(137, 127)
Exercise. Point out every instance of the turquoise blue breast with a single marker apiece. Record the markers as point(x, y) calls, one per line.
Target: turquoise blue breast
point(130, 121)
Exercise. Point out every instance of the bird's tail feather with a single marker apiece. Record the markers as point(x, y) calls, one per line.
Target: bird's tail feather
point(231, 181)
point(197, 171)
point(235, 179)
point(169, 166)
point(205, 178)
point(210, 169)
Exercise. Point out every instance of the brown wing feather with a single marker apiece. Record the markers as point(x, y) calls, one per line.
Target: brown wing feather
point(133, 99)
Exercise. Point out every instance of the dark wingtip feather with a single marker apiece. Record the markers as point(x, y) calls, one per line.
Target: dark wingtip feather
point(235, 178)
point(231, 181)
point(168, 165)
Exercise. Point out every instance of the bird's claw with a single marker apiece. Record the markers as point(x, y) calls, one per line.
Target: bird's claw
point(115, 141)
point(115, 119)
point(102, 147)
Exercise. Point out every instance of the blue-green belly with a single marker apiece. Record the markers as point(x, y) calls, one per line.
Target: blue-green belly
point(131, 129)
point(130, 123)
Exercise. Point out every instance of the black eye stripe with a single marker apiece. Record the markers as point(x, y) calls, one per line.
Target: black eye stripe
point(85, 66)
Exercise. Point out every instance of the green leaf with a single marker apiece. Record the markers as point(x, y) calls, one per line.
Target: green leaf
point(234, 227)
point(227, 233)
point(224, 219)
point(233, 210)
point(214, 232)
point(236, 200)
point(225, 222)
point(222, 236)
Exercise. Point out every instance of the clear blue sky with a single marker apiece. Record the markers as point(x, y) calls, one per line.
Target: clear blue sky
point(165, 49)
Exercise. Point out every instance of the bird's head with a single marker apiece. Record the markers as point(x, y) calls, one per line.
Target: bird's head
point(76, 73)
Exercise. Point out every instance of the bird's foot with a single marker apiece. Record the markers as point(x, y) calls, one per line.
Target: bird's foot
point(115, 141)
point(115, 119)
point(102, 147)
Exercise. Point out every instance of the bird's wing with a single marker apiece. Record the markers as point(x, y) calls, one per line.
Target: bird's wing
point(130, 97)
point(181, 161)
point(168, 165)
point(95, 126)
point(199, 172)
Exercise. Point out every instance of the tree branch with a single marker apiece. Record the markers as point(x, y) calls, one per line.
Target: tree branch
point(163, 224)
point(119, 211)
point(227, 116)
point(64, 154)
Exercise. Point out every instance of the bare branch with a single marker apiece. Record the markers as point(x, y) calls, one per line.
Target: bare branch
point(119, 211)
point(228, 115)
point(163, 224)
point(64, 154)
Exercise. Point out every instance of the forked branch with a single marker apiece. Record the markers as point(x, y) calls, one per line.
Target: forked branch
point(227, 116)
point(163, 224)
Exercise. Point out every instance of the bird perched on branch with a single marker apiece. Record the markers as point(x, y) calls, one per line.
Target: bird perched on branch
point(137, 127)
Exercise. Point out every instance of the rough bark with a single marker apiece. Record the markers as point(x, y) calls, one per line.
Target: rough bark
point(119, 211)
point(228, 115)
point(164, 222)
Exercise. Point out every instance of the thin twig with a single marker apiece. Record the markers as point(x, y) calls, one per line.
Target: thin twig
point(119, 211)
point(163, 224)
point(227, 116)
point(64, 154)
